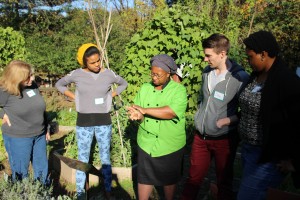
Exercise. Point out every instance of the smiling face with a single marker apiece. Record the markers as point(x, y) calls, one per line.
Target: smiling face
point(93, 63)
point(159, 76)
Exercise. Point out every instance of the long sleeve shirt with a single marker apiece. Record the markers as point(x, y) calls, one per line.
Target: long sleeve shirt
point(26, 113)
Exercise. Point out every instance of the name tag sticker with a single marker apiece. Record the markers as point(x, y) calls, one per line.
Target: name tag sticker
point(30, 93)
point(257, 88)
point(99, 101)
point(219, 95)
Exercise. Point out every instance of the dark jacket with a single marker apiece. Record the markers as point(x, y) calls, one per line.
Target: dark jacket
point(280, 110)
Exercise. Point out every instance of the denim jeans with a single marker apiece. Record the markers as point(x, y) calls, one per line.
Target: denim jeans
point(23, 150)
point(257, 177)
point(84, 141)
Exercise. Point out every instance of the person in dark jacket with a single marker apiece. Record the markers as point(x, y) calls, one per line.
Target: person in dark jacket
point(216, 119)
point(269, 119)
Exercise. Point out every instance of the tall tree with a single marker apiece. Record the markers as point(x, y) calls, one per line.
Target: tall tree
point(12, 11)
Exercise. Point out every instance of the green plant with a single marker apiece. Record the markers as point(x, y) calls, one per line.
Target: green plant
point(174, 31)
point(27, 189)
point(70, 145)
point(66, 117)
point(12, 45)
point(2, 148)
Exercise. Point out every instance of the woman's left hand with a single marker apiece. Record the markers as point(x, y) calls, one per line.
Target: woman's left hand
point(48, 137)
point(134, 113)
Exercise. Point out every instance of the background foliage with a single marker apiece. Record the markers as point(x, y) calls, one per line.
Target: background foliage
point(49, 38)
point(12, 45)
point(27, 189)
point(176, 32)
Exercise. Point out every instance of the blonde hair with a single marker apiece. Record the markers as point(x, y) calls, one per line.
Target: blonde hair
point(13, 75)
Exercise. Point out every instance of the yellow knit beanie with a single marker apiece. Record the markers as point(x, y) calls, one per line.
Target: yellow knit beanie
point(82, 50)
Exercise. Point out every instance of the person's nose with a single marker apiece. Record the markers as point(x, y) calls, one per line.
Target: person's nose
point(205, 59)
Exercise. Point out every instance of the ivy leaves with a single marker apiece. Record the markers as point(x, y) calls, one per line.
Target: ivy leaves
point(174, 31)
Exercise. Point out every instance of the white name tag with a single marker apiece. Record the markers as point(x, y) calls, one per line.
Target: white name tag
point(99, 101)
point(219, 95)
point(30, 93)
point(257, 88)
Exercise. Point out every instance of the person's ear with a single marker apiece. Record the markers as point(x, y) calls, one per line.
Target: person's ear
point(223, 54)
point(263, 55)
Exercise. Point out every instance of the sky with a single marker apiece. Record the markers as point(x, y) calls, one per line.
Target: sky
point(82, 4)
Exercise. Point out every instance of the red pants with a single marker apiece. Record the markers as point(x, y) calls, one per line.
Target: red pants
point(223, 151)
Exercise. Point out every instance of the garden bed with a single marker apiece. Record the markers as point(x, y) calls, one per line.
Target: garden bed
point(68, 173)
point(63, 176)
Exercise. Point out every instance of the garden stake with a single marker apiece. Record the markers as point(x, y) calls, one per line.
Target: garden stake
point(105, 58)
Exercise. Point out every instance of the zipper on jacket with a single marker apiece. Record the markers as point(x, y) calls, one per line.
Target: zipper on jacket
point(208, 101)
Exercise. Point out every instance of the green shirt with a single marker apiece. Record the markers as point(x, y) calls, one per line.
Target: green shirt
point(160, 137)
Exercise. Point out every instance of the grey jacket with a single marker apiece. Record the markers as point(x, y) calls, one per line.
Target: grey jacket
point(221, 102)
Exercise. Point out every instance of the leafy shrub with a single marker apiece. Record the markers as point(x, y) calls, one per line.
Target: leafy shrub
point(26, 189)
point(66, 117)
point(175, 31)
point(2, 148)
point(12, 45)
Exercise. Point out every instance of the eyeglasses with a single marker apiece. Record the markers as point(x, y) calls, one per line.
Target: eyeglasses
point(158, 76)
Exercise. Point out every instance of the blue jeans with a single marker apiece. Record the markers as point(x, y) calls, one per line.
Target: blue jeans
point(22, 150)
point(84, 141)
point(257, 177)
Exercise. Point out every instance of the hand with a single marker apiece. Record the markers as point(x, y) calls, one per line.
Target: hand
point(286, 166)
point(223, 122)
point(48, 137)
point(6, 120)
point(140, 109)
point(134, 114)
point(113, 94)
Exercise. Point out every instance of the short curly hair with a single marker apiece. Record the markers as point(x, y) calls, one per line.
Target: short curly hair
point(262, 41)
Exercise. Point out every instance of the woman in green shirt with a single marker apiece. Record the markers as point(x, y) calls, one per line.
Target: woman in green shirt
point(160, 107)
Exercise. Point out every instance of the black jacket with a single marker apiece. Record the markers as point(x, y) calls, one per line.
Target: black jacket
point(280, 111)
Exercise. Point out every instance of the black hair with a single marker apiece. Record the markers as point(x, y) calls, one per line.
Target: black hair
point(90, 51)
point(218, 42)
point(262, 41)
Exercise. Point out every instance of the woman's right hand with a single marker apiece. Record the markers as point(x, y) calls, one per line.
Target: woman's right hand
point(69, 94)
point(6, 120)
point(134, 114)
